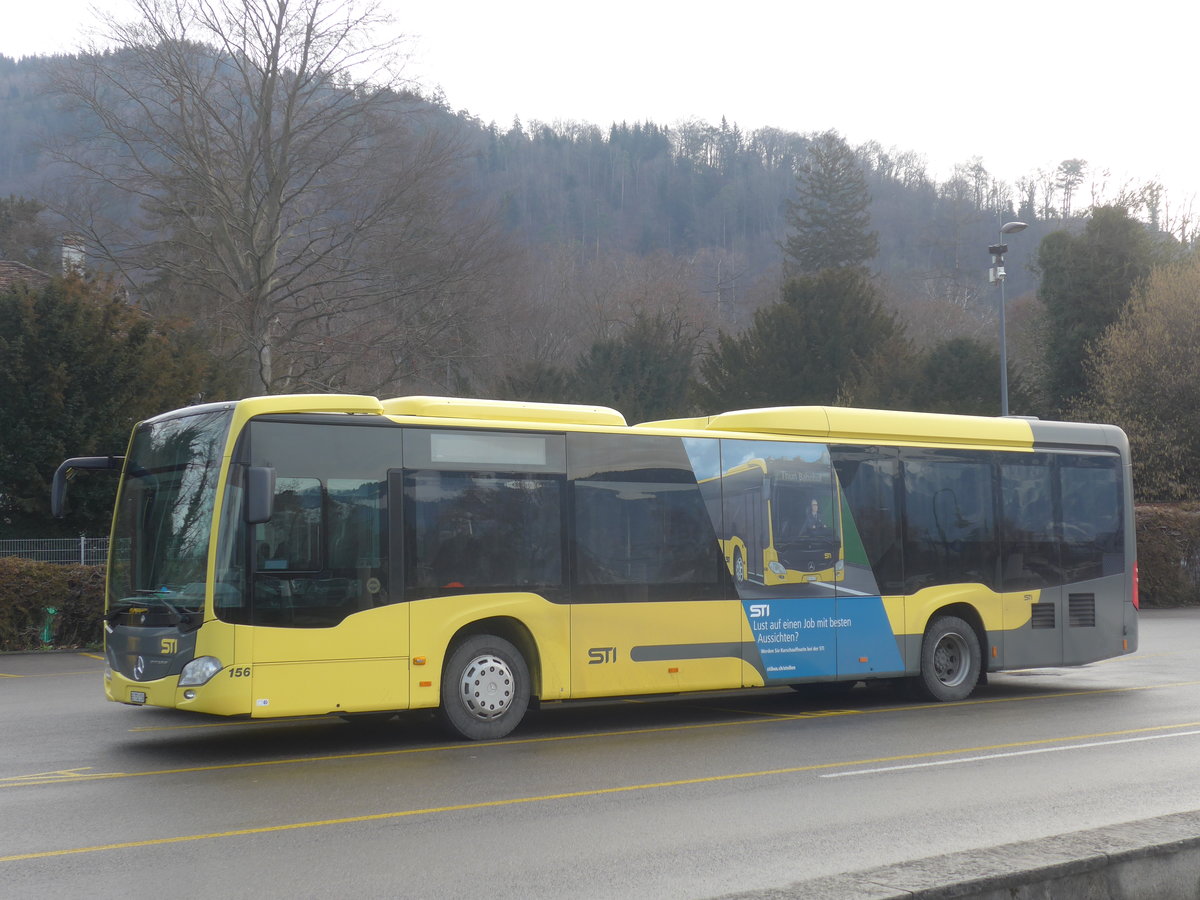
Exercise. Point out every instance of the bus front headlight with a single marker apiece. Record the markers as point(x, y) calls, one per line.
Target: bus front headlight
point(199, 671)
point(777, 567)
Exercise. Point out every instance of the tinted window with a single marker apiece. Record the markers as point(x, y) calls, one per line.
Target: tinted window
point(322, 556)
point(1029, 557)
point(164, 513)
point(484, 511)
point(641, 528)
point(1092, 516)
point(950, 527)
point(483, 530)
point(870, 481)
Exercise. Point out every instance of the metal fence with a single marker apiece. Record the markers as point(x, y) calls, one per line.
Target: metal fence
point(83, 551)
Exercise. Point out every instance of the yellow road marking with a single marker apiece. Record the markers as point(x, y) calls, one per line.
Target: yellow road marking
point(766, 716)
point(573, 795)
point(50, 674)
point(56, 674)
point(42, 778)
point(464, 745)
point(753, 719)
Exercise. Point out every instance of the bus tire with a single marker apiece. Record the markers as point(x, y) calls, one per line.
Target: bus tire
point(950, 660)
point(739, 566)
point(485, 688)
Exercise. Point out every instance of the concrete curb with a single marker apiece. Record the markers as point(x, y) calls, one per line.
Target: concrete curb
point(1154, 859)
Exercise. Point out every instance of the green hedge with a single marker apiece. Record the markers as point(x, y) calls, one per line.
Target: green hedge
point(28, 588)
point(1169, 554)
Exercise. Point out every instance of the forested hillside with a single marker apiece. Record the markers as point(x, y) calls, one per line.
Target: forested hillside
point(252, 214)
point(413, 248)
point(712, 198)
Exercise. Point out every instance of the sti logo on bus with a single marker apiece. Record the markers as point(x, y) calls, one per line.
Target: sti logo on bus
point(760, 610)
point(598, 655)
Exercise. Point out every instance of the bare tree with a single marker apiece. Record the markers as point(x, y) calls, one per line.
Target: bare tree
point(565, 302)
point(1047, 183)
point(1068, 176)
point(1027, 191)
point(275, 172)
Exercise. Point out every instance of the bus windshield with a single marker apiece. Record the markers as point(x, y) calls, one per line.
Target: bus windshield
point(164, 513)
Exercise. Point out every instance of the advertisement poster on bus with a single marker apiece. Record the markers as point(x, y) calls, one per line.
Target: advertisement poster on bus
point(795, 558)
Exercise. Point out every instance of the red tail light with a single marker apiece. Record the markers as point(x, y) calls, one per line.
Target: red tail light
point(1137, 603)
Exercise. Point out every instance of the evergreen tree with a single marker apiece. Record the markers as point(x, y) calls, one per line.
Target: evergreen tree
point(644, 373)
point(961, 375)
point(829, 340)
point(830, 217)
point(1087, 279)
point(23, 237)
point(78, 367)
point(536, 381)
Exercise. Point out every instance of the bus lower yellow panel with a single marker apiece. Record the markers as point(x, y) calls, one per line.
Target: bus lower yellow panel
point(920, 607)
point(1002, 615)
point(437, 620)
point(157, 693)
point(1018, 608)
point(359, 665)
point(329, 686)
point(649, 648)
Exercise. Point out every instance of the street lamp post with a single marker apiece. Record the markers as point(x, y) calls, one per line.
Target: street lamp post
point(996, 276)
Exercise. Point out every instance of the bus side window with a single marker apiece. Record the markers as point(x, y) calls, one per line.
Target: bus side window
point(1029, 545)
point(321, 557)
point(483, 530)
point(1092, 517)
point(870, 478)
point(640, 531)
point(950, 524)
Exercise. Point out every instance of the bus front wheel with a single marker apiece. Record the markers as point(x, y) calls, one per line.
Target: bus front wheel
point(950, 660)
point(739, 567)
point(485, 688)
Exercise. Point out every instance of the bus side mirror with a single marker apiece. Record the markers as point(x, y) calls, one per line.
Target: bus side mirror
point(260, 494)
point(58, 487)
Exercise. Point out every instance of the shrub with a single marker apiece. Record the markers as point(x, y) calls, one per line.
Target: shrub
point(28, 588)
point(1169, 554)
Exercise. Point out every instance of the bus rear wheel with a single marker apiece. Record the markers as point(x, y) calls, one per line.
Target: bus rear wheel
point(485, 688)
point(950, 660)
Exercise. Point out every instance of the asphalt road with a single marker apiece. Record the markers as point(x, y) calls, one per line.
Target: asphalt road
point(693, 796)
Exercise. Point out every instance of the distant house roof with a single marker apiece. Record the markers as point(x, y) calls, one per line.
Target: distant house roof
point(15, 273)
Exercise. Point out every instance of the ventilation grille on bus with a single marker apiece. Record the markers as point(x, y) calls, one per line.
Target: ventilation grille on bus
point(1082, 610)
point(1043, 615)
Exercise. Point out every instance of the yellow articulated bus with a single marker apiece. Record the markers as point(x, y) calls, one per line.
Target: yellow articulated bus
point(338, 554)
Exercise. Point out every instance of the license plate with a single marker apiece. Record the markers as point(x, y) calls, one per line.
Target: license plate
point(137, 696)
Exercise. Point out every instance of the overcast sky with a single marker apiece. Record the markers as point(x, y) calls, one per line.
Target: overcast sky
point(1023, 84)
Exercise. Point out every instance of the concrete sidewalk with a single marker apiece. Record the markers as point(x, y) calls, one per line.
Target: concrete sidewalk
point(1154, 859)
